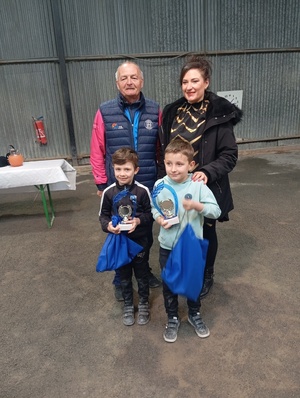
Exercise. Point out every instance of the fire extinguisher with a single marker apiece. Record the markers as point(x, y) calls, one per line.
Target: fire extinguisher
point(40, 130)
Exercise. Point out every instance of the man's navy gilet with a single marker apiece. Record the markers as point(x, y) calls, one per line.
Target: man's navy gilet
point(119, 133)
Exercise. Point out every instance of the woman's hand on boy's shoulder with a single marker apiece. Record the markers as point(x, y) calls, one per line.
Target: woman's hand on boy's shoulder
point(200, 176)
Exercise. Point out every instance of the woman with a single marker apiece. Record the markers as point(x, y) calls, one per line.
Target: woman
point(206, 121)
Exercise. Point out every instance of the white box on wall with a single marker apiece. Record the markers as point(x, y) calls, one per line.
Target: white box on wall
point(235, 97)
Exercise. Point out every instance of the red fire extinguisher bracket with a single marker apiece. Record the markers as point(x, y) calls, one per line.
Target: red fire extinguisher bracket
point(40, 133)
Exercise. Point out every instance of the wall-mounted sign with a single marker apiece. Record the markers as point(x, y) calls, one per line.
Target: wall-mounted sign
point(235, 97)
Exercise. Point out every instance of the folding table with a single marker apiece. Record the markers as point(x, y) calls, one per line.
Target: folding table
point(44, 175)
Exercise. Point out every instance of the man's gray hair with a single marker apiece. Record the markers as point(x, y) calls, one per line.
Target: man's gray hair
point(128, 62)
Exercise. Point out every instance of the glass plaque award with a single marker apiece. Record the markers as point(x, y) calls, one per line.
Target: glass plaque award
point(166, 204)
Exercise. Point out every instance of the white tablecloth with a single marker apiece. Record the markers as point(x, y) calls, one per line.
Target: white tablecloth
point(58, 173)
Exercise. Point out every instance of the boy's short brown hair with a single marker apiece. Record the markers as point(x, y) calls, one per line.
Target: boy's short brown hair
point(124, 155)
point(180, 145)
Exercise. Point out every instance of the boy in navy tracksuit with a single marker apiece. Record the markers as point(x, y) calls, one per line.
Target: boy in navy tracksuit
point(135, 209)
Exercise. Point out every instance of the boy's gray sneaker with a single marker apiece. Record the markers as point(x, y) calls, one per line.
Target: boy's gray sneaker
point(200, 328)
point(143, 314)
point(170, 333)
point(128, 315)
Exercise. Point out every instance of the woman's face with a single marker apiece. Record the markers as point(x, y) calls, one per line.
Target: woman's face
point(193, 86)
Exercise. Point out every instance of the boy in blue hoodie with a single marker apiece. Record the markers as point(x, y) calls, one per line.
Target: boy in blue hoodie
point(195, 201)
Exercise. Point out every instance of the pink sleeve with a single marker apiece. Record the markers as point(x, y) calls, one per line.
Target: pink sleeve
point(97, 154)
point(159, 117)
point(159, 156)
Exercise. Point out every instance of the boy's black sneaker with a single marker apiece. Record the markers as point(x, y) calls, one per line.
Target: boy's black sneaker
point(170, 333)
point(200, 328)
point(128, 315)
point(143, 314)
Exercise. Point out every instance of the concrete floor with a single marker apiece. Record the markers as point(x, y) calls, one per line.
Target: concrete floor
point(61, 332)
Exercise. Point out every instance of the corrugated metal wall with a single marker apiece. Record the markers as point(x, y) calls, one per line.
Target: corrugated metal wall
point(30, 80)
point(253, 45)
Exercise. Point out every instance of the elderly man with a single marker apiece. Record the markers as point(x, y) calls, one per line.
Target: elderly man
point(130, 120)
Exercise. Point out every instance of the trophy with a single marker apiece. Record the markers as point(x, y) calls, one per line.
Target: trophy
point(167, 206)
point(125, 212)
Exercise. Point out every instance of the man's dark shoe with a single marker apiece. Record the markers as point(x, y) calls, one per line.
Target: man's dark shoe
point(153, 281)
point(118, 293)
point(208, 282)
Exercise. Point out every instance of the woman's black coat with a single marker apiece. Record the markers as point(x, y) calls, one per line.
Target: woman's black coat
point(218, 152)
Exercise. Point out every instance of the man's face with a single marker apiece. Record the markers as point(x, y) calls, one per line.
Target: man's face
point(130, 82)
